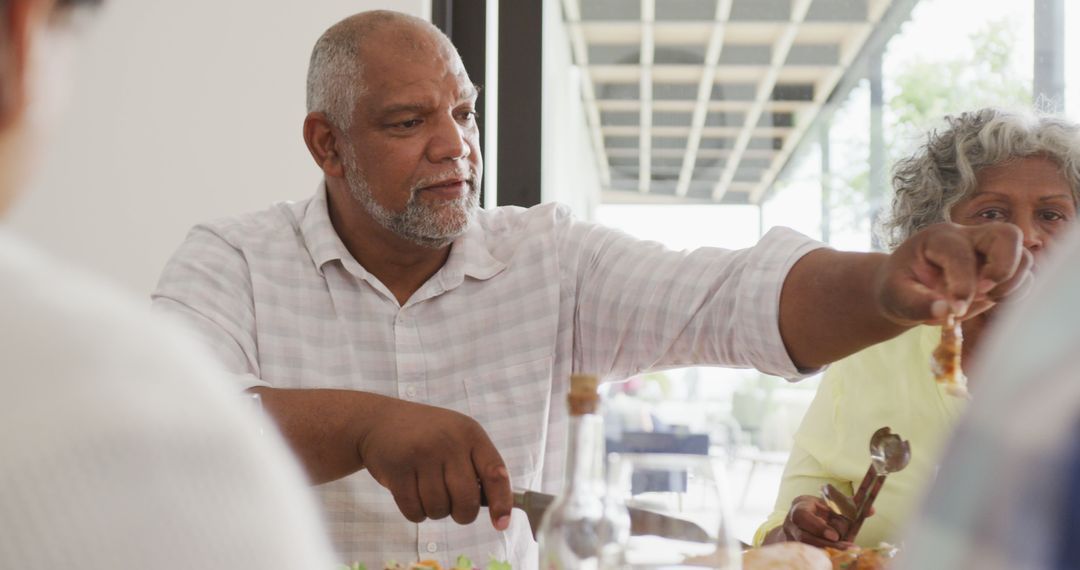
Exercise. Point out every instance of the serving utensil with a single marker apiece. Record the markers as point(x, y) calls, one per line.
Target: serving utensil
point(888, 454)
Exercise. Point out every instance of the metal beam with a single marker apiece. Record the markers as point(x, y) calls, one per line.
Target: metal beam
point(894, 16)
point(878, 174)
point(1049, 80)
point(826, 181)
point(648, 50)
point(704, 95)
point(520, 88)
point(764, 93)
point(572, 17)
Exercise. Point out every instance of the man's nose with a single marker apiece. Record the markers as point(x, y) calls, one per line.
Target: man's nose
point(450, 141)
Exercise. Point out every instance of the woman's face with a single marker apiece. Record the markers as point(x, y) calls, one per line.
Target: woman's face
point(1030, 193)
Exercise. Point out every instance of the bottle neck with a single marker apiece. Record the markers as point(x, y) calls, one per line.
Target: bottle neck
point(585, 455)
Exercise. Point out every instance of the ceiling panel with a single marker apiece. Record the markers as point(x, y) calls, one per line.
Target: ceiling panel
point(729, 87)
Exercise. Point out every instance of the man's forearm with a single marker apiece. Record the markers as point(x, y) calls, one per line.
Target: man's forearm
point(828, 307)
point(434, 461)
point(322, 427)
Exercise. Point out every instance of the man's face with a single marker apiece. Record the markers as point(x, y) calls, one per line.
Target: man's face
point(412, 157)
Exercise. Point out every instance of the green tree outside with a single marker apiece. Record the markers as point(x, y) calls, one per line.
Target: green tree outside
point(924, 91)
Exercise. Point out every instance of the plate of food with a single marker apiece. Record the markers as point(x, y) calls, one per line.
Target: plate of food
point(799, 556)
point(462, 563)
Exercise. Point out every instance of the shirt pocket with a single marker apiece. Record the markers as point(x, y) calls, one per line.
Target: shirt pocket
point(513, 405)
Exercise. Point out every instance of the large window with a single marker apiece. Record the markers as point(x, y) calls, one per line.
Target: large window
point(817, 156)
point(946, 59)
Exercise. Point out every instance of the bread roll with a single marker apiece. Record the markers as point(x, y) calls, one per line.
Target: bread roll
point(786, 556)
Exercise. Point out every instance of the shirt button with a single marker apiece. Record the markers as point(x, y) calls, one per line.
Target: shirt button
point(432, 547)
point(410, 391)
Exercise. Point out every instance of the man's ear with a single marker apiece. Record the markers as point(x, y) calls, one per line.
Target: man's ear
point(19, 20)
point(323, 144)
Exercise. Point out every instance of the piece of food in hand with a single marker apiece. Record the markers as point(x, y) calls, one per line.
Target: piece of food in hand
point(945, 362)
point(785, 556)
point(856, 558)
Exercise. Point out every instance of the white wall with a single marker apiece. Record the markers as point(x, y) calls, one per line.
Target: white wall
point(182, 111)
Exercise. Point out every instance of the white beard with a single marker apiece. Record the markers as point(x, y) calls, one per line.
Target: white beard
point(427, 224)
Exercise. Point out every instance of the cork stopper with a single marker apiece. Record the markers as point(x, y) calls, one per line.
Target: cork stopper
point(583, 398)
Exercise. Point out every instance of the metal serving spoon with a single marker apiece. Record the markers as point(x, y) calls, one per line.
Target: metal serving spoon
point(888, 454)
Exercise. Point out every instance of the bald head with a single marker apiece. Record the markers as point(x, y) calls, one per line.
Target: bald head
point(335, 75)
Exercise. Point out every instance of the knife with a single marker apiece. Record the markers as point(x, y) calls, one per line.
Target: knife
point(642, 521)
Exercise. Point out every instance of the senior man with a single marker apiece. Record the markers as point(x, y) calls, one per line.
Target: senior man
point(410, 344)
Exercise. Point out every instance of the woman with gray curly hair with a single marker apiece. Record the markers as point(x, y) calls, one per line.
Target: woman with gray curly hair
point(945, 170)
point(985, 166)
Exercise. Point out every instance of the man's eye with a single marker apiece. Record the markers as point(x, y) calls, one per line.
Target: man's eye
point(468, 115)
point(992, 214)
point(411, 123)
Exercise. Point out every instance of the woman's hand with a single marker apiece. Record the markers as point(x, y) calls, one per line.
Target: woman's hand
point(810, 521)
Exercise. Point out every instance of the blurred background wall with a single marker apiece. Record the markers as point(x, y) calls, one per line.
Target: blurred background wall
point(182, 112)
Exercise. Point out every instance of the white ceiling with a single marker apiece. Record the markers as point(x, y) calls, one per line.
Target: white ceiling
point(705, 100)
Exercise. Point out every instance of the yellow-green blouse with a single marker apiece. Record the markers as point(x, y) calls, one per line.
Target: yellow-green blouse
point(888, 384)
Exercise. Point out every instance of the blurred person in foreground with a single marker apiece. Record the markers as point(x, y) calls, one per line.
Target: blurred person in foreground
point(119, 450)
point(1007, 496)
point(983, 167)
point(411, 344)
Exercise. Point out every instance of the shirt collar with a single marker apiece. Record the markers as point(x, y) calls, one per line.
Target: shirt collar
point(469, 255)
point(323, 242)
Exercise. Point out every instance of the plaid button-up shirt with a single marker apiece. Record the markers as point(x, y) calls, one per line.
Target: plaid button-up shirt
point(526, 297)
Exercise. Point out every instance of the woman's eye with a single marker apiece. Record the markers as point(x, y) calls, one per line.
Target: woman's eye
point(992, 214)
point(1052, 216)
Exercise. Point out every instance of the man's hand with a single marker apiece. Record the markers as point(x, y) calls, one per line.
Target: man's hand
point(836, 303)
point(431, 460)
point(810, 521)
point(949, 268)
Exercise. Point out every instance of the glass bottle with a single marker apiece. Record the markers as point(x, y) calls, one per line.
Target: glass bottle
point(583, 530)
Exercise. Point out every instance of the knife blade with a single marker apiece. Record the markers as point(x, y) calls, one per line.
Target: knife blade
point(642, 521)
point(534, 504)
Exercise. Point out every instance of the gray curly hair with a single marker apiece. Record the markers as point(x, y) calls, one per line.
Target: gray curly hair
point(942, 171)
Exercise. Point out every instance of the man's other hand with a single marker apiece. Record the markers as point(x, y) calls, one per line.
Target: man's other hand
point(431, 460)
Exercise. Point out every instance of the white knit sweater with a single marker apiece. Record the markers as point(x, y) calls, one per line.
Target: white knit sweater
point(120, 449)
